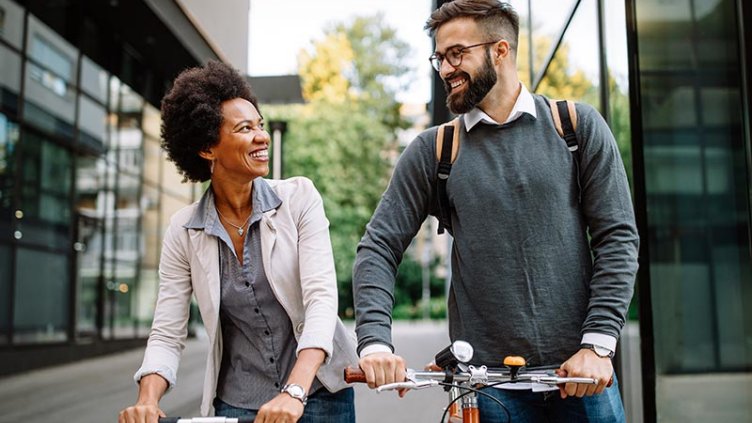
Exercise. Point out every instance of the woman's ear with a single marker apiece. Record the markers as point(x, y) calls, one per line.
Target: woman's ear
point(206, 154)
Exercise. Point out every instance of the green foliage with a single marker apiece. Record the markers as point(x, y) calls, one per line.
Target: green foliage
point(341, 138)
point(408, 311)
point(409, 284)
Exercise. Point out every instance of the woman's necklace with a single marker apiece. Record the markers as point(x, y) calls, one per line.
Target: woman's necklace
point(240, 229)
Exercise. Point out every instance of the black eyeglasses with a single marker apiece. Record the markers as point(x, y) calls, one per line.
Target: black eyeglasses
point(453, 55)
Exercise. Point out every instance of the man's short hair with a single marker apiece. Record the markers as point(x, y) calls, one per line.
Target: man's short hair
point(496, 19)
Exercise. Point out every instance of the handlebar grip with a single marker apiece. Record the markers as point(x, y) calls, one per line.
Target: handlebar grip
point(354, 375)
point(169, 419)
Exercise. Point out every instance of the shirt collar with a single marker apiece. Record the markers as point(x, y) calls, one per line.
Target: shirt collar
point(524, 104)
point(205, 215)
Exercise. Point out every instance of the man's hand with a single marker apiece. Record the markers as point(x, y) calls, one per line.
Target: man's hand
point(381, 368)
point(585, 363)
point(283, 409)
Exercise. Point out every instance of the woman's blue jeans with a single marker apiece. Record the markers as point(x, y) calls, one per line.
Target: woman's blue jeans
point(528, 406)
point(323, 407)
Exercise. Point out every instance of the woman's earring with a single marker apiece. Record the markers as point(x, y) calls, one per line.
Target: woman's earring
point(211, 167)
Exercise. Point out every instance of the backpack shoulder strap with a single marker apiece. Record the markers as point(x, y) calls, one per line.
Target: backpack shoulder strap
point(447, 147)
point(565, 121)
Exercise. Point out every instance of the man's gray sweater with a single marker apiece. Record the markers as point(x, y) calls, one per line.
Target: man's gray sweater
point(526, 278)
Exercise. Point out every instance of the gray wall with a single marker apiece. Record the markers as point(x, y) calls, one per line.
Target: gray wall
point(226, 27)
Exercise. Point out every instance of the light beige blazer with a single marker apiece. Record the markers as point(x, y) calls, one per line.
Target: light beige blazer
point(299, 264)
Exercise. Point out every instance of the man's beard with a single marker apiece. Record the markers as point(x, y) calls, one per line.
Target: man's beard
point(476, 90)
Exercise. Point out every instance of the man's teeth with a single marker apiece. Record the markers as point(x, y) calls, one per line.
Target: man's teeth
point(457, 83)
point(260, 154)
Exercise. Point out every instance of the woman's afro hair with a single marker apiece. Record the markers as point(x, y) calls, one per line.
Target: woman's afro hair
point(192, 114)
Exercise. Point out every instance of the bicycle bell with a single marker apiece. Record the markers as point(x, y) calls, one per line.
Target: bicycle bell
point(458, 352)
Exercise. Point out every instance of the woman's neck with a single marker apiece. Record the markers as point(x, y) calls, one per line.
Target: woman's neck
point(231, 197)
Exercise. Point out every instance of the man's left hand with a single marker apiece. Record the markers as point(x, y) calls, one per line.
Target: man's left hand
point(585, 363)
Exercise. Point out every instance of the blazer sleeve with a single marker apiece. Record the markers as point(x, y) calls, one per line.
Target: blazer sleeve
point(169, 328)
point(318, 277)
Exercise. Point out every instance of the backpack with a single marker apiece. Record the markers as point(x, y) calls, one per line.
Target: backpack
point(448, 145)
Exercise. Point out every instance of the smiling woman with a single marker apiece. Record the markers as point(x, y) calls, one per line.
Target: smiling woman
point(269, 346)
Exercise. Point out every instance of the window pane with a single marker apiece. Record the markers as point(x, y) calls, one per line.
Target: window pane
point(524, 65)
point(549, 18)
point(92, 124)
point(10, 79)
point(5, 278)
point(90, 196)
point(148, 282)
point(11, 23)
point(573, 73)
point(40, 312)
point(698, 210)
point(45, 185)
point(93, 80)
point(8, 143)
point(618, 80)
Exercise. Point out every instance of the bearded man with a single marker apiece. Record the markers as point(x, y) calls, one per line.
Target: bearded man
point(544, 251)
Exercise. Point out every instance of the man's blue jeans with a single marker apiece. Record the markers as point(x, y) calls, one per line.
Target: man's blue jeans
point(323, 407)
point(528, 406)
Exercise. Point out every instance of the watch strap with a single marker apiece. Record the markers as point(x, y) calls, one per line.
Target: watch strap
point(601, 352)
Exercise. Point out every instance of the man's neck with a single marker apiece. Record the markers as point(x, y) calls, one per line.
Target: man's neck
point(499, 102)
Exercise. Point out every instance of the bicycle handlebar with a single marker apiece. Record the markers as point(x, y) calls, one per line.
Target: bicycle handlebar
point(206, 420)
point(423, 379)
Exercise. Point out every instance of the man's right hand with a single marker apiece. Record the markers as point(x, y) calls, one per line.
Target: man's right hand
point(381, 368)
point(141, 413)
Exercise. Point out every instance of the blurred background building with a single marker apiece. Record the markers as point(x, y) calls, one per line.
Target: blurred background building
point(85, 191)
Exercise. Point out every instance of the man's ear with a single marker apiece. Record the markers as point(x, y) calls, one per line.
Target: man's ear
point(502, 49)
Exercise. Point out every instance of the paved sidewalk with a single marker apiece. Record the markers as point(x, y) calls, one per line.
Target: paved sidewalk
point(94, 390)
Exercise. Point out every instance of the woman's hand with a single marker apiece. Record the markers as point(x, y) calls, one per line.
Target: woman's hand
point(146, 410)
point(281, 409)
point(141, 413)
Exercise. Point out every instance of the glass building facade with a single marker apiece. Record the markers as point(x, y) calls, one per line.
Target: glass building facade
point(85, 189)
point(672, 79)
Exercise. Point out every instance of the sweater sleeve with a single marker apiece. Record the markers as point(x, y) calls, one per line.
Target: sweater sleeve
point(607, 207)
point(398, 217)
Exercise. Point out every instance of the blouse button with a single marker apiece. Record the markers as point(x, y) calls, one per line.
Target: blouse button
point(299, 327)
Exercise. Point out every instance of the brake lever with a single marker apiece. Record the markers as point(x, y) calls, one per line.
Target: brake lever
point(409, 384)
point(556, 380)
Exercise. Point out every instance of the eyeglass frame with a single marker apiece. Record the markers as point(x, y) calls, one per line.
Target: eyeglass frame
point(437, 59)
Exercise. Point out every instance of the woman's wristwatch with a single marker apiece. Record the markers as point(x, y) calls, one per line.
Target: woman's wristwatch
point(296, 391)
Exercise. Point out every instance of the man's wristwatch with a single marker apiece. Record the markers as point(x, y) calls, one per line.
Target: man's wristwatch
point(296, 391)
point(601, 352)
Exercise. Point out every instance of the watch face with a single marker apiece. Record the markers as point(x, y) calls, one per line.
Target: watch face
point(295, 390)
point(603, 352)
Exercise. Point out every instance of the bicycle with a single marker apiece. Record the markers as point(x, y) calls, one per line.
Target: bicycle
point(463, 381)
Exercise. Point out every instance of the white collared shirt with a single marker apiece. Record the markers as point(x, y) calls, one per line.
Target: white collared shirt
point(523, 104)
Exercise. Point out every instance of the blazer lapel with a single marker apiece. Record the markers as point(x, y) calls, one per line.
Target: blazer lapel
point(207, 253)
point(268, 239)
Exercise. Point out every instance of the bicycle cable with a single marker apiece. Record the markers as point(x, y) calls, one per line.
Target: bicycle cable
point(469, 391)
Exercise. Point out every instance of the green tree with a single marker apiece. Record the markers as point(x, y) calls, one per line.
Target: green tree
point(342, 137)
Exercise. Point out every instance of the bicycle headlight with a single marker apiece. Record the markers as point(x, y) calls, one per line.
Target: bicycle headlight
point(458, 352)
